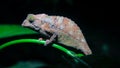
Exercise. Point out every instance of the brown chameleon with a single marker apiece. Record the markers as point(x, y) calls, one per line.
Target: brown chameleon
point(66, 31)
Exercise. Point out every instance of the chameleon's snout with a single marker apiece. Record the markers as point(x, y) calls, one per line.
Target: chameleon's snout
point(25, 23)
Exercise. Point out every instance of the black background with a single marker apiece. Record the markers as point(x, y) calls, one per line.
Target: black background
point(99, 20)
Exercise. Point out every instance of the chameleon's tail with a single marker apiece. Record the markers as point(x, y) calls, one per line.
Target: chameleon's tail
point(85, 49)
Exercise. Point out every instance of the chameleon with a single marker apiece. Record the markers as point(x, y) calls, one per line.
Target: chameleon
point(61, 28)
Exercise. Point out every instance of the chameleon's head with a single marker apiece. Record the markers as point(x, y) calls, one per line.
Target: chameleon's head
point(33, 21)
point(28, 20)
point(37, 22)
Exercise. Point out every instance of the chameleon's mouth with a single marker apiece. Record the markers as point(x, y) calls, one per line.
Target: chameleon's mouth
point(36, 27)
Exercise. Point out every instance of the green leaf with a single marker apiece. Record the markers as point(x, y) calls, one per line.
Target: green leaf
point(9, 30)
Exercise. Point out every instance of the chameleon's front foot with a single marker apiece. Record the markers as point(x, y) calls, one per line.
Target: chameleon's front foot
point(40, 39)
point(47, 41)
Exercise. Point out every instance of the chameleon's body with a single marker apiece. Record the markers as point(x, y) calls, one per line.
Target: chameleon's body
point(65, 29)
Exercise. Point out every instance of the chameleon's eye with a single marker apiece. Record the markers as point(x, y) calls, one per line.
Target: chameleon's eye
point(31, 21)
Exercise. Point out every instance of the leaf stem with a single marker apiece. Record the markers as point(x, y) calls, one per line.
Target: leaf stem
point(68, 52)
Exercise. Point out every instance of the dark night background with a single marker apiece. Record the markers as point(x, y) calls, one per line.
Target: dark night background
point(99, 21)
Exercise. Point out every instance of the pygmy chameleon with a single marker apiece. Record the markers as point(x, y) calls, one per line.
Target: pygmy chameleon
point(66, 30)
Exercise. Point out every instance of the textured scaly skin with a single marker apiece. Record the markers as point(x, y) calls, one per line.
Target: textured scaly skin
point(67, 31)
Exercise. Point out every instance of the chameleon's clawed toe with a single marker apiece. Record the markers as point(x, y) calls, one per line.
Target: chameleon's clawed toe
point(40, 39)
point(47, 42)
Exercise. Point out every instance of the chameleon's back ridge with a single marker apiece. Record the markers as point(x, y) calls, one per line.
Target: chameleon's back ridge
point(65, 29)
